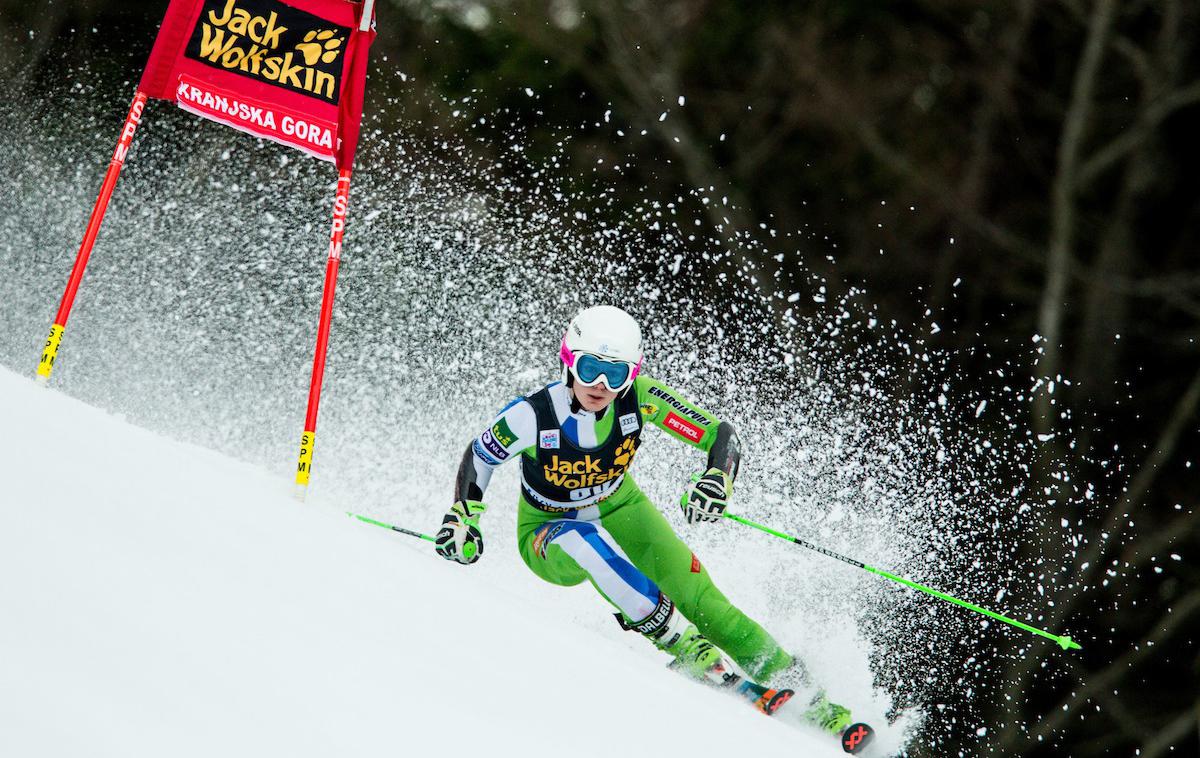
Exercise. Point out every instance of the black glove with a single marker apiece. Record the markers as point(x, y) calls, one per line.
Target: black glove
point(707, 496)
point(459, 539)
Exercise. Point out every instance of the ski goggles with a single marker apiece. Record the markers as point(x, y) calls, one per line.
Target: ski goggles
point(590, 369)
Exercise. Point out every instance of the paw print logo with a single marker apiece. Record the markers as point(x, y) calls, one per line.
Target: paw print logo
point(624, 455)
point(320, 46)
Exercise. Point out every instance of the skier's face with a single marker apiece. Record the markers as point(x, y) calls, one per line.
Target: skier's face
point(594, 398)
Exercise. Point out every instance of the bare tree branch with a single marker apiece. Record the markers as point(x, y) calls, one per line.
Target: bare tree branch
point(1180, 420)
point(1150, 544)
point(862, 126)
point(1125, 47)
point(1167, 737)
point(648, 71)
point(1164, 448)
point(1131, 728)
point(997, 94)
point(1062, 201)
point(1129, 139)
point(1096, 683)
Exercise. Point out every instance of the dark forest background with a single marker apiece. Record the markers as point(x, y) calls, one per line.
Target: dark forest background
point(1028, 167)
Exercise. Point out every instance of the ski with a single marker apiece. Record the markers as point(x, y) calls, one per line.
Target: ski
point(854, 739)
point(764, 699)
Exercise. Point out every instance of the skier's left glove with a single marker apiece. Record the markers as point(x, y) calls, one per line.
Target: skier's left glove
point(707, 496)
point(459, 539)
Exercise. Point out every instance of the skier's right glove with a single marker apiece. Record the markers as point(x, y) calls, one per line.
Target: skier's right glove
point(459, 539)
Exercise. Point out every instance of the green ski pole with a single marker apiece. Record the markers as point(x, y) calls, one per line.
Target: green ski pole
point(1065, 642)
point(400, 529)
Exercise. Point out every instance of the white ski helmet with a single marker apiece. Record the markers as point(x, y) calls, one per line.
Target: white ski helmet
point(611, 340)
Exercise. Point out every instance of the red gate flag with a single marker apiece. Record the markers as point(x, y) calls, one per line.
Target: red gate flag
point(292, 71)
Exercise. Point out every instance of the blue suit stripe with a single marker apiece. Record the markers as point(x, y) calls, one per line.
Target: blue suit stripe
point(628, 574)
point(626, 570)
point(570, 428)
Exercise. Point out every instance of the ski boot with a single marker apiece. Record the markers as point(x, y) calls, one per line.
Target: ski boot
point(694, 655)
point(829, 717)
point(699, 659)
point(826, 716)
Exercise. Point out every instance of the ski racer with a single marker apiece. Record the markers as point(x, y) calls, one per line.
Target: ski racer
point(581, 515)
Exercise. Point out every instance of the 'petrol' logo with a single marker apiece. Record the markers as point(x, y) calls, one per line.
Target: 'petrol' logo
point(683, 427)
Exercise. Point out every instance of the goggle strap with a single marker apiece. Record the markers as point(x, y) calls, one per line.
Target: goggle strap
point(569, 358)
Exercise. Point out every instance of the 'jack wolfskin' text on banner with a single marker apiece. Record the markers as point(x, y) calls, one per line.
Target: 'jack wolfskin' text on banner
point(293, 71)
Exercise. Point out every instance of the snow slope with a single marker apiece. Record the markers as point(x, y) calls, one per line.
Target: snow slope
point(158, 599)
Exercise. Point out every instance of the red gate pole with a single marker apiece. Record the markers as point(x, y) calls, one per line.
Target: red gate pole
point(50, 351)
point(340, 205)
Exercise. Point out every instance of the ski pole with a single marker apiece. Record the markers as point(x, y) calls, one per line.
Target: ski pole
point(400, 529)
point(1065, 642)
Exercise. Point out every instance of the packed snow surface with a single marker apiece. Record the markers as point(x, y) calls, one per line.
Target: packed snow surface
point(199, 308)
point(159, 599)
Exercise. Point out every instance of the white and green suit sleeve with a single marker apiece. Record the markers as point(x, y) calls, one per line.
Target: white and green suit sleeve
point(670, 411)
point(511, 433)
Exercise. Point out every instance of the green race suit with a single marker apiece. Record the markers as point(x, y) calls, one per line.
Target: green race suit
point(583, 517)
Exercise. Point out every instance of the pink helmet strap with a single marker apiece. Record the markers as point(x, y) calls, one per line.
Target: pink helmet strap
point(565, 353)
